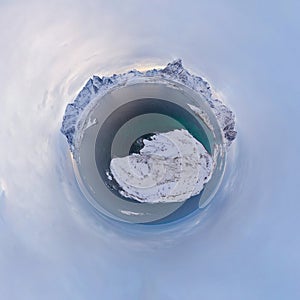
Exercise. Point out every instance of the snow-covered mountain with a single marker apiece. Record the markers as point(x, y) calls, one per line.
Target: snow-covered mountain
point(75, 112)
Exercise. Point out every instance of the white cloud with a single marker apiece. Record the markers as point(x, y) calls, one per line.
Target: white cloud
point(52, 246)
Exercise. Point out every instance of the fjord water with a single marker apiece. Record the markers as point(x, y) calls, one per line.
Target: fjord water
point(124, 115)
point(244, 246)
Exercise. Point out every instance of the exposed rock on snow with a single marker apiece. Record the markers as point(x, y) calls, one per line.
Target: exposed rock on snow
point(171, 167)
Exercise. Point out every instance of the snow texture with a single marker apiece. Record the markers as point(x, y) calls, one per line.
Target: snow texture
point(171, 167)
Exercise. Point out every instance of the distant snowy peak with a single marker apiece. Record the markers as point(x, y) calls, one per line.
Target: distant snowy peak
point(174, 71)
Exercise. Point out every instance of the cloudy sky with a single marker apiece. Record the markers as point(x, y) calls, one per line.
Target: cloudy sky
point(245, 246)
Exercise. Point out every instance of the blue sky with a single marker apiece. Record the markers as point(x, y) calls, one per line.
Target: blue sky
point(245, 246)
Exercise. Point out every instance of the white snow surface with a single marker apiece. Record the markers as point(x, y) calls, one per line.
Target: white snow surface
point(171, 167)
point(75, 117)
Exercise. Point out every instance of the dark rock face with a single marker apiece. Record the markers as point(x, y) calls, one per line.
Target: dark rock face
point(230, 135)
